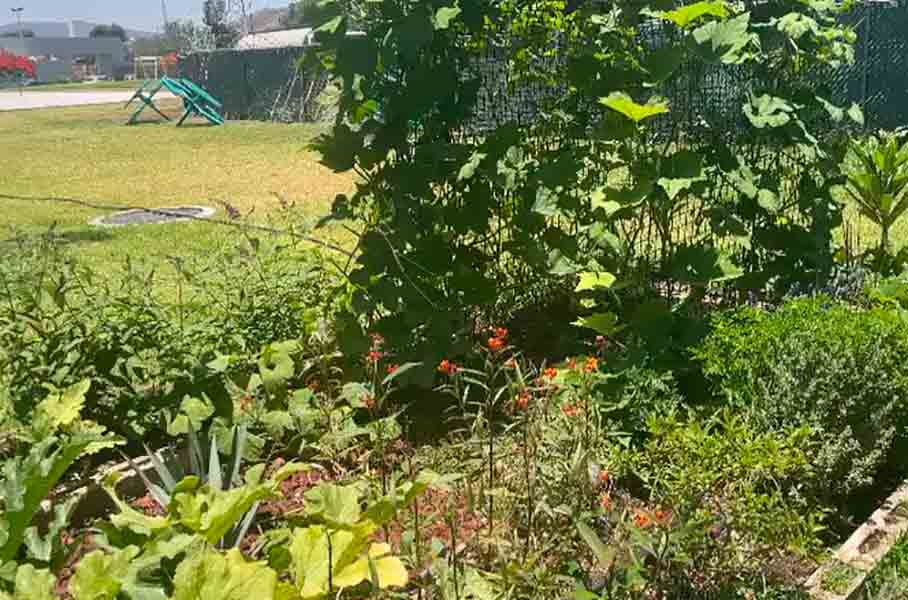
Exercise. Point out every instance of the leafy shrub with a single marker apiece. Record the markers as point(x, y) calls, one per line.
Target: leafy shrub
point(837, 369)
point(718, 499)
point(146, 351)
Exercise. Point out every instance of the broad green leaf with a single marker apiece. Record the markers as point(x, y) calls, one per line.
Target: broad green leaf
point(686, 15)
point(444, 16)
point(389, 570)
point(796, 24)
point(624, 104)
point(62, 409)
point(469, 169)
point(856, 114)
point(725, 41)
point(546, 203)
point(26, 481)
point(769, 201)
point(595, 281)
point(355, 394)
point(100, 576)
point(33, 584)
point(128, 517)
point(680, 171)
point(663, 62)
point(701, 265)
point(211, 575)
point(601, 323)
point(336, 505)
point(213, 513)
point(351, 554)
point(768, 111)
point(276, 365)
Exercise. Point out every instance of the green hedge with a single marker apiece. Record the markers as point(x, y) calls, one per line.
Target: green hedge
point(814, 362)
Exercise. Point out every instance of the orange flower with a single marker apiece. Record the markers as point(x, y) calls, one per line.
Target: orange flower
point(523, 401)
point(551, 372)
point(392, 369)
point(572, 365)
point(663, 517)
point(570, 410)
point(606, 502)
point(448, 368)
point(592, 365)
point(501, 333)
point(604, 477)
point(497, 344)
point(374, 356)
point(642, 521)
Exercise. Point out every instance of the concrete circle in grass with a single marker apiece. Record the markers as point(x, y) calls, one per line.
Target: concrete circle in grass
point(153, 216)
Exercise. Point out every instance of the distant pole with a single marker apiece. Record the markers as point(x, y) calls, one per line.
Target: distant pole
point(18, 13)
point(164, 14)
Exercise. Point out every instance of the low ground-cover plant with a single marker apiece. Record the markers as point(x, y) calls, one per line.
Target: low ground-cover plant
point(821, 364)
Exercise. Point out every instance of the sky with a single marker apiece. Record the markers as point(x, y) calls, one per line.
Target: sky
point(134, 14)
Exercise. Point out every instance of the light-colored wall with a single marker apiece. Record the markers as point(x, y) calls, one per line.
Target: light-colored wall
point(55, 71)
point(110, 53)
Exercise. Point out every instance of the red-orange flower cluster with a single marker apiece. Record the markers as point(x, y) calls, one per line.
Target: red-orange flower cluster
point(592, 365)
point(523, 401)
point(571, 410)
point(374, 356)
point(606, 502)
point(604, 477)
point(392, 369)
point(642, 520)
point(500, 341)
point(551, 373)
point(448, 367)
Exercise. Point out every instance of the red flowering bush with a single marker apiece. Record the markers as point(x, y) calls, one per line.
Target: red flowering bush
point(11, 65)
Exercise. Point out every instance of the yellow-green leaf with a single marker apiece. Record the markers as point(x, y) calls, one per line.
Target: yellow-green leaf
point(595, 281)
point(686, 15)
point(624, 104)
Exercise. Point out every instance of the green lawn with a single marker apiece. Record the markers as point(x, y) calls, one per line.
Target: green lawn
point(88, 154)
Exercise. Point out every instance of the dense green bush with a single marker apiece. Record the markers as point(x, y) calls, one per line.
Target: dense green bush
point(146, 342)
point(815, 362)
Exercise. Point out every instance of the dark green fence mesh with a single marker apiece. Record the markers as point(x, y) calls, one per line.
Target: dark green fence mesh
point(266, 84)
point(259, 84)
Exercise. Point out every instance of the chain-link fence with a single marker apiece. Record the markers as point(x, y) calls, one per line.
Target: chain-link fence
point(268, 83)
point(265, 84)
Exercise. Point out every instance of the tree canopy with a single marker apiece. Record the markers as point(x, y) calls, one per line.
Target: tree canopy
point(109, 31)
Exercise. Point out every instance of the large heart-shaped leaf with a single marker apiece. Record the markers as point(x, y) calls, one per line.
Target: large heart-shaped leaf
point(684, 16)
point(624, 104)
point(768, 111)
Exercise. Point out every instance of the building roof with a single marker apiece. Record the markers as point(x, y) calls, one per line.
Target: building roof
point(287, 38)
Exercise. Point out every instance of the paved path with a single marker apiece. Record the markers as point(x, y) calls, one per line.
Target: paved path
point(11, 100)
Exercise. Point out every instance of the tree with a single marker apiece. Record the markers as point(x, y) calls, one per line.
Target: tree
point(307, 13)
point(215, 17)
point(109, 31)
point(14, 65)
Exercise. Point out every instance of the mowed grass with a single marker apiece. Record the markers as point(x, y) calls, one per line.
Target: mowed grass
point(88, 154)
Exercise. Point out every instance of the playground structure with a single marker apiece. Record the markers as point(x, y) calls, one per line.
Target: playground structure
point(196, 100)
